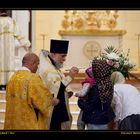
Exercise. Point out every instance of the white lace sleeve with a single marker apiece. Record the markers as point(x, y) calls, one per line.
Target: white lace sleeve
point(83, 91)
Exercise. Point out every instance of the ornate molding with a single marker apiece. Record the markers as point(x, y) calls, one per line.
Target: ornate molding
point(93, 33)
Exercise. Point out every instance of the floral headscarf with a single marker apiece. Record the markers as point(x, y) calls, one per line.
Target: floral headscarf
point(102, 73)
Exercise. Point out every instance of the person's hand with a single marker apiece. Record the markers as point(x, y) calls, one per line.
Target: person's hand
point(73, 72)
point(55, 101)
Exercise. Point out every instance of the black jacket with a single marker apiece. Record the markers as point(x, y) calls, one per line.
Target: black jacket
point(93, 111)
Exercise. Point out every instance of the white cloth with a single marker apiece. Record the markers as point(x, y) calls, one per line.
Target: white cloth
point(126, 99)
point(9, 33)
point(84, 90)
point(23, 68)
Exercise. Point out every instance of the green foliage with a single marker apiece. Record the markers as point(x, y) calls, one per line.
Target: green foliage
point(111, 49)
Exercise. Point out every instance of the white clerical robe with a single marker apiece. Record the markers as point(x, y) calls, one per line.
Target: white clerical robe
point(9, 33)
point(54, 78)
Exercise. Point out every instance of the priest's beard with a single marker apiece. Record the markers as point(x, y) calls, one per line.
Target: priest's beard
point(58, 65)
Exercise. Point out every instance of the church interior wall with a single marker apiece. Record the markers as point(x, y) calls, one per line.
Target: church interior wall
point(48, 22)
point(132, 26)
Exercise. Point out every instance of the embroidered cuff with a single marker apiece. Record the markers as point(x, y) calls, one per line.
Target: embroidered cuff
point(66, 80)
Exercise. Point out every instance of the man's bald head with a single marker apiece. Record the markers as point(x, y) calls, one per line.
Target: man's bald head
point(29, 58)
point(31, 61)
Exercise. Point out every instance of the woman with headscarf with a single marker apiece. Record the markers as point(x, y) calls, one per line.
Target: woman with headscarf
point(126, 101)
point(97, 110)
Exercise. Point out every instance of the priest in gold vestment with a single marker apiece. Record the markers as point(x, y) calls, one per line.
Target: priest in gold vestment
point(27, 98)
point(10, 34)
point(50, 65)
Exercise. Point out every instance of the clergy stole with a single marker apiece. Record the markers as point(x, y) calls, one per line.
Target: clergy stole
point(60, 113)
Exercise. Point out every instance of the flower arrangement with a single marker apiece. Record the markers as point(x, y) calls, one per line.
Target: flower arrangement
point(117, 60)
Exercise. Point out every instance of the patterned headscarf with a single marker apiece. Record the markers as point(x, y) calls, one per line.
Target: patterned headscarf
point(102, 73)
